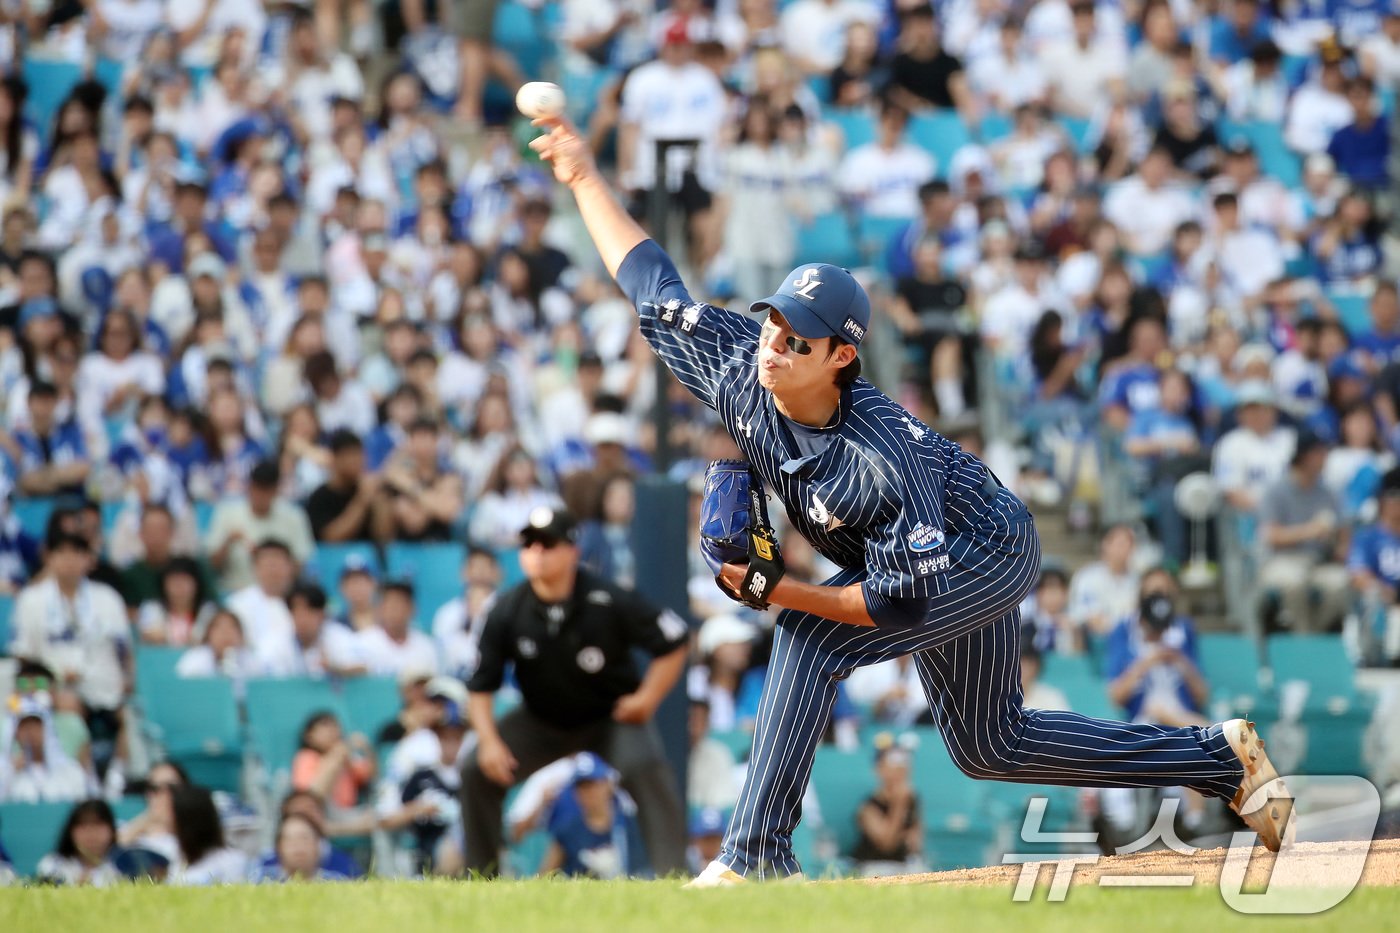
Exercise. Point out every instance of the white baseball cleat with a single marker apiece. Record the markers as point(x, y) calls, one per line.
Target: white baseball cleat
point(1262, 801)
point(716, 875)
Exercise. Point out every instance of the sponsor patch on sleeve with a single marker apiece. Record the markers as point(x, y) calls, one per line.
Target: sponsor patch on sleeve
point(670, 309)
point(924, 538)
point(928, 566)
point(690, 317)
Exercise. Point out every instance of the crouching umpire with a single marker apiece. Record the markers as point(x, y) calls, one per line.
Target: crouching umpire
point(572, 637)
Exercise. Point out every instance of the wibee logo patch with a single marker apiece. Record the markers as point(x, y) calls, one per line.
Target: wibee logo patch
point(924, 538)
point(854, 329)
point(931, 565)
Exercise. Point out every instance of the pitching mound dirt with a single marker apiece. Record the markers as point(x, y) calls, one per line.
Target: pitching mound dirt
point(1323, 867)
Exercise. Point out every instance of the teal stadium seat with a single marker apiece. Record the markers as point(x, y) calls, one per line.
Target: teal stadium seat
point(956, 831)
point(842, 781)
point(994, 127)
point(1353, 310)
point(30, 831)
point(370, 703)
point(155, 667)
point(511, 574)
point(277, 709)
point(1266, 137)
point(941, 133)
point(524, 32)
point(435, 570)
point(1080, 132)
point(1230, 664)
point(828, 238)
point(857, 125)
point(739, 742)
point(33, 514)
point(1321, 660)
point(7, 611)
point(875, 236)
point(196, 721)
point(50, 82)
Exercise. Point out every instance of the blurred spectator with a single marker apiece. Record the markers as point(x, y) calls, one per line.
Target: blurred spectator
point(676, 98)
point(1011, 312)
point(1361, 149)
point(927, 308)
point(1304, 584)
point(1235, 33)
point(34, 768)
point(261, 606)
point(239, 526)
point(359, 594)
point(605, 540)
point(725, 645)
point(1147, 207)
point(890, 821)
point(316, 648)
point(861, 74)
point(457, 622)
point(180, 610)
point(1151, 660)
point(1104, 592)
point(1250, 458)
point(814, 31)
point(1036, 693)
point(1347, 246)
point(710, 764)
point(923, 74)
point(333, 863)
point(221, 652)
point(152, 831)
point(1131, 386)
point(53, 456)
point(882, 178)
point(353, 504)
point(78, 629)
point(1379, 50)
point(512, 493)
point(1319, 108)
point(592, 825)
point(423, 778)
point(1045, 621)
point(156, 531)
point(761, 199)
point(86, 851)
point(1256, 88)
point(1008, 76)
point(1086, 67)
point(426, 495)
point(1355, 466)
point(706, 838)
point(394, 645)
point(298, 853)
point(329, 765)
point(204, 859)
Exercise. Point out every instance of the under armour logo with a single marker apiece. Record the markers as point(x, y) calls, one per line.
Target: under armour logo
point(806, 286)
point(758, 584)
point(745, 427)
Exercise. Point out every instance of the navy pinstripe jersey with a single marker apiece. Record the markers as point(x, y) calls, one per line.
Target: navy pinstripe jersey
point(887, 494)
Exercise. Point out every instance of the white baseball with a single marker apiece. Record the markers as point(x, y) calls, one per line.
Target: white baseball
point(540, 99)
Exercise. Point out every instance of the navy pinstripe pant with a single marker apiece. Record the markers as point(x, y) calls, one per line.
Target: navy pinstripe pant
point(969, 662)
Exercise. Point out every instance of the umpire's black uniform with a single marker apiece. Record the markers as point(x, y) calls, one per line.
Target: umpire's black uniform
point(573, 660)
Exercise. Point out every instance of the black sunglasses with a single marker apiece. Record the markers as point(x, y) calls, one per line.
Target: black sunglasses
point(545, 542)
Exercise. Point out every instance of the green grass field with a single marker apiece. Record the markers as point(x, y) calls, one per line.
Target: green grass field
point(622, 907)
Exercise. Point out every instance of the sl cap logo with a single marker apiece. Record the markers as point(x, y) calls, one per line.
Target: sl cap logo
point(806, 286)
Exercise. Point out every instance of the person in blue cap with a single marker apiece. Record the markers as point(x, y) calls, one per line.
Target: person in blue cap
point(935, 553)
point(592, 825)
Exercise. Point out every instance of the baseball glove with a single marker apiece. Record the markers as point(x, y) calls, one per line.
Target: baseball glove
point(734, 529)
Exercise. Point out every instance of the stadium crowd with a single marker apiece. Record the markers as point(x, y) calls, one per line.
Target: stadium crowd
point(293, 341)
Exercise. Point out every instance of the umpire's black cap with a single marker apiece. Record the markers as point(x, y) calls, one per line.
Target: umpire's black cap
point(548, 525)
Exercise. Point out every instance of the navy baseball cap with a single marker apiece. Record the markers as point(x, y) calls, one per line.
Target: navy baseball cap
point(821, 300)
